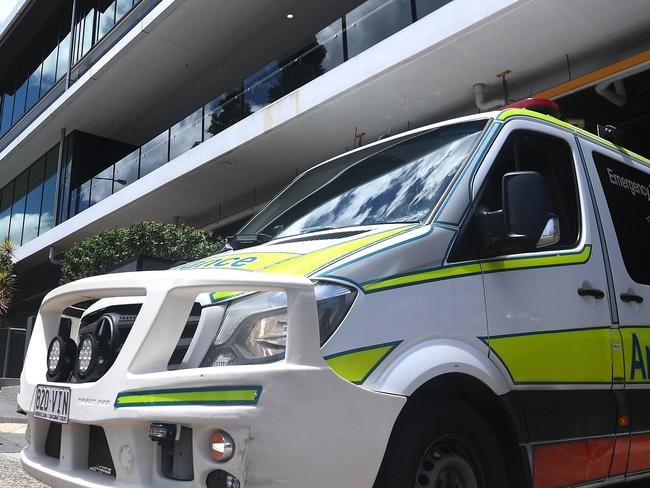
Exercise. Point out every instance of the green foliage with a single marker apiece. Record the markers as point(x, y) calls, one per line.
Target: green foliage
point(7, 277)
point(94, 255)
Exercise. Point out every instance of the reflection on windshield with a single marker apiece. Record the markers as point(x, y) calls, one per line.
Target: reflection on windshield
point(399, 184)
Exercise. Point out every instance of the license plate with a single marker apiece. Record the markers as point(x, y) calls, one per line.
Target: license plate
point(52, 403)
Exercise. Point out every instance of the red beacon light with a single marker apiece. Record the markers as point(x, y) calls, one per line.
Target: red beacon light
point(541, 105)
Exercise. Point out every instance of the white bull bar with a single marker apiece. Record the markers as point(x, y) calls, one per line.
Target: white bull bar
point(310, 428)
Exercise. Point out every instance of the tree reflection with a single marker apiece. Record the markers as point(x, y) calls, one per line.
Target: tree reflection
point(231, 112)
point(299, 69)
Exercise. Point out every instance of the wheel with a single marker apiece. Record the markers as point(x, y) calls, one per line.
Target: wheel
point(445, 444)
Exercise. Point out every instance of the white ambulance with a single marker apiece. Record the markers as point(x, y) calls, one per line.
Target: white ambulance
point(461, 305)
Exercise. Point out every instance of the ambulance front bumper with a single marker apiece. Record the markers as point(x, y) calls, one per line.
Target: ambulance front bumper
point(295, 423)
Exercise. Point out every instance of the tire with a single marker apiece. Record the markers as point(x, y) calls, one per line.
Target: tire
point(446, 444)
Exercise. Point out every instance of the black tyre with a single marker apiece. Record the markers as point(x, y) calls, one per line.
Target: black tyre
point(446, 444)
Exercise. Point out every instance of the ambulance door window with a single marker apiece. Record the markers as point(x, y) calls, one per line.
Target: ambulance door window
point(627, 191)
point(622, 192)
point(526, 151)
point(553, 343)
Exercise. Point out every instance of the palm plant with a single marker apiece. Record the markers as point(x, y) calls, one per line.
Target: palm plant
point(7, 277)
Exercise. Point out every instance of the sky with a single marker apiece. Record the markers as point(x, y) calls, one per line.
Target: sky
point(6, 6)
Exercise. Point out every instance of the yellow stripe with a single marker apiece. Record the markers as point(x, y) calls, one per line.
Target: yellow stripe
point(307, 264)
point(514, 112)
point(475, 268)
point(189, 397)
point(537, 262)
point(355, 366)
point(594, 76)
point(432, 275)
point(578, 356)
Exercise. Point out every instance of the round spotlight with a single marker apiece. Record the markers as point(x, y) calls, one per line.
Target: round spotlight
point(290, 16)
point(60, 358)
point(222, 447)
point(85, 354)
point(92, 358)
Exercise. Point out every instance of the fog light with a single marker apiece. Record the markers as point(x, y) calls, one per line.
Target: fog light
point(162, 432)
point(222, 447)
point(221, 479)
point(61, 355)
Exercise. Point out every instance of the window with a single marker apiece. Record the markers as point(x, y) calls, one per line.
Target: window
point(526, 151)
point(627, 192)
point(5, 209)
point(7, 106)
point(50, 53)
point(49, 185)
point(106, 17)
point(34, 195)
point(21, 92)
point(18, 209)
point(34, 81)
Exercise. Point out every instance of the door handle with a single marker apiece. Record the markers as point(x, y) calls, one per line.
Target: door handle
point(628, 297)
point(591, 292)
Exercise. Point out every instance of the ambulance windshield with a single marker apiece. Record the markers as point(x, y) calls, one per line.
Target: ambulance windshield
point(398, 182)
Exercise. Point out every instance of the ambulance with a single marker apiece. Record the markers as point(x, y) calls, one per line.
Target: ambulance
point(462, 305)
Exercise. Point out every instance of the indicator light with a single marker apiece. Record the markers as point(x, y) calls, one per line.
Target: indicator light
point(222, 447)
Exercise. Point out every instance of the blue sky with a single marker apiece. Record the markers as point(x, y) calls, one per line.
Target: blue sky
point(6, 6)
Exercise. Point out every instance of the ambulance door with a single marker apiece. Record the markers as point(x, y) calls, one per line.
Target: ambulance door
point(622, 190)
point(548, 313)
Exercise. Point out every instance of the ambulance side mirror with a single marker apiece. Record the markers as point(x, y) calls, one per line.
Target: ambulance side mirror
point(526, 211)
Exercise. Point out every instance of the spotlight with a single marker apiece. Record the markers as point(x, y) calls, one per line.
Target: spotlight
point(92, 358)
point(60, 359)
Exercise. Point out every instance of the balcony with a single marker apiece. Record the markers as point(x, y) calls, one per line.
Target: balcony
point(350, 35)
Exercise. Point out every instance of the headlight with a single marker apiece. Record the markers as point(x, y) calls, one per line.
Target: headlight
point(254, 328)
point(92, 358)
point(60, 358)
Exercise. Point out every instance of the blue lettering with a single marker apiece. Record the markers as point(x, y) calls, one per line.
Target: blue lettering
point(233, 262)
point(244, 262)
point(637, 358)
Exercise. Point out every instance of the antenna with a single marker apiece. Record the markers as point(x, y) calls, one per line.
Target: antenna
point(399, 108)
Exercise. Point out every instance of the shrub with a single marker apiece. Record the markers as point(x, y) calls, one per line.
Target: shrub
point(96, 254)
point(7, 277)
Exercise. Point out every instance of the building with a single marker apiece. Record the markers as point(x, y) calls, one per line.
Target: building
point(198, 111)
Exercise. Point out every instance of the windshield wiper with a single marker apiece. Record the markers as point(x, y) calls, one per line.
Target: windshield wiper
point(242, 241)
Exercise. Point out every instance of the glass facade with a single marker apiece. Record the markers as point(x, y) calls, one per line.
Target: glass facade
point(46, 60)
point(94, 19)
point(27, 203)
